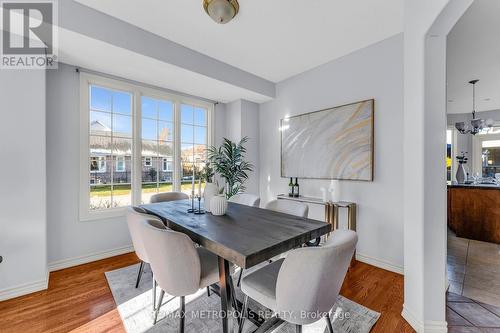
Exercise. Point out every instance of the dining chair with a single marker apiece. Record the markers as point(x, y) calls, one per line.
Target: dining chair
point(179, 267)
point(168, 196)
point(246, 199)
point(288, 207)
point(135, 216)
point(281, 286)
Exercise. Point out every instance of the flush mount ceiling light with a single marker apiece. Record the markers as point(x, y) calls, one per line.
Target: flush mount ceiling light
point(221, 11)
point(477, 125)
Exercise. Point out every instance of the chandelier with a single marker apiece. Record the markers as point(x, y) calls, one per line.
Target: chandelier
point(477, 124)
point(221, 11)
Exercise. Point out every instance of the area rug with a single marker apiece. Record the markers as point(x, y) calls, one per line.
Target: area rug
point(203, 312)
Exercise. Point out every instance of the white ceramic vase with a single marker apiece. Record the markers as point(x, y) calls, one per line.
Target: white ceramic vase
point(218, 205)
point(211, 190)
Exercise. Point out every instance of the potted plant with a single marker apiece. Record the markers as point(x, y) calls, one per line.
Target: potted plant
point(229, 163)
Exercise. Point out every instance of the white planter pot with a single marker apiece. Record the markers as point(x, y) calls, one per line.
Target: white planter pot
point(218, 205)
point(211, 190)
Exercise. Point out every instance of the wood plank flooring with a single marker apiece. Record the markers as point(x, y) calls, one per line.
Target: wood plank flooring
point(79, 300)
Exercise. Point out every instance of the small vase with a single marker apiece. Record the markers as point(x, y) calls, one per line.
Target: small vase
point(211, 190)
point(218, 205)
point(460, 174)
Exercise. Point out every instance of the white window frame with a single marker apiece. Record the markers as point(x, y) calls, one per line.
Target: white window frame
point(120, 159)
point(137, 91)
point(148, 161)
point(477, 151)
point(165, 163)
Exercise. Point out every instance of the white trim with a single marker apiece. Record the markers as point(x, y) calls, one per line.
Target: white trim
point(25, 288)
point(379, 263)
point(427, 327)
point(80, 260)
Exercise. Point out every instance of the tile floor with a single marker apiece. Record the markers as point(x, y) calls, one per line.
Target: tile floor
point(468, 316)
point(474, 269)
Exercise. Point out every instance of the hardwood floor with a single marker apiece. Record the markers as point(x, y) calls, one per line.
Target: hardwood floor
point(79, 300)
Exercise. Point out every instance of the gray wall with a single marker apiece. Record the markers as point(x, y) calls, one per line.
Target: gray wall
point(23, 222)
point(374, 72)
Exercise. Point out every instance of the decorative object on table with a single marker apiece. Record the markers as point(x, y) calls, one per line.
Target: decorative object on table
point(336, 143)
point(291, 187)
point(296, 190)
point(461, 175)
point(229, 162)
point(218, 205)
point(477, 125)
point(199, 211)
point(211, 189)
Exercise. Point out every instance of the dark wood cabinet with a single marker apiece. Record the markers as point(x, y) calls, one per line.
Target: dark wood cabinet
point(474, 212)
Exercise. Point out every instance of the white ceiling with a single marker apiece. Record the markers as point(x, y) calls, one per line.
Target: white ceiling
point(271, 39)
point(76, 49)
point(474, 53)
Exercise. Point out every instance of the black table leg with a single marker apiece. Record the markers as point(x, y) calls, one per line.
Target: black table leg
point(225, 295)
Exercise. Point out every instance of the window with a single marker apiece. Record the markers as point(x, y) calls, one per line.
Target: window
point(120, 164)
point(193, 144)
point(136, 143)
point(486, 153)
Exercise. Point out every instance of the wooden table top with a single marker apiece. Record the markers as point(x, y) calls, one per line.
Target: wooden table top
point(245, 236)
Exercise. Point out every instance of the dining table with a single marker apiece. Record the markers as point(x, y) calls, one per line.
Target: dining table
point(244, 236)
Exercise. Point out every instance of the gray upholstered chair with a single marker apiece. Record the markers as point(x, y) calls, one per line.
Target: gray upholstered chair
point(168, 196)
point(282, 287)
point(135, 216)
point(246, 199)
point(288, 207)
point(178, 266)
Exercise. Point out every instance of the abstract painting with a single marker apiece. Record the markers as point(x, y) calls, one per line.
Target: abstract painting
point(336, 143)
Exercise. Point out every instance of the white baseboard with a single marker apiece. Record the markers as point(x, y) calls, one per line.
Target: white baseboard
point(424, 327)
point(25, 288)
point(379, 263)
point(66, 263)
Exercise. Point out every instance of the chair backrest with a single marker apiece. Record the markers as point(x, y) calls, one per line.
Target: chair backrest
point(173, 258)
point(288, 207)
point(310, 278)
point(135, 215)
point(246, 199)
point(168, 196)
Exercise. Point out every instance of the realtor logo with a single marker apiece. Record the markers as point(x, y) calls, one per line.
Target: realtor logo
point(28, 34)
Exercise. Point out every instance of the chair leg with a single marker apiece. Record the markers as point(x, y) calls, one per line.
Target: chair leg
point(141, 269)
point(298, 328)
point(182, 314)
point(208, 291)
point(162, 293)
point(155, 284)
point(239, 278)
point(329, 323)
point(243, 314)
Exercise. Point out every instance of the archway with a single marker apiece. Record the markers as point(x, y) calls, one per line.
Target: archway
point(427, 25)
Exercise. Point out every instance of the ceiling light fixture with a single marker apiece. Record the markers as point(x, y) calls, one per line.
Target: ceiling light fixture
point(477, 125)
point(221, 11)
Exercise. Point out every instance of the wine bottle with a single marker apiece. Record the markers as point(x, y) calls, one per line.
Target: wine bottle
point(290, 187)
point(296, 191)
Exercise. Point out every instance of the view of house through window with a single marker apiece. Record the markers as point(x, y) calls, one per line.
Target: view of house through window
point(110, 144)
point(157, 146)
point(115, 146)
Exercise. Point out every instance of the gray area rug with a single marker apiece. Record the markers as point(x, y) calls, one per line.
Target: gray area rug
point(203, 312)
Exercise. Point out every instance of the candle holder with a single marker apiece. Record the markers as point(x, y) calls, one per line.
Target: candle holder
point(199, 211)
point(191, 210)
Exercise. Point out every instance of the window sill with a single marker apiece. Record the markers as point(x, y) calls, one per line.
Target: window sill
point(88, 216)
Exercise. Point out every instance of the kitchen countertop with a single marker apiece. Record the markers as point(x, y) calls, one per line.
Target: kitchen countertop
point(475, 186)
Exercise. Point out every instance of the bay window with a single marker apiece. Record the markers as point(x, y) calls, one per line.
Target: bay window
point(135, 142)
